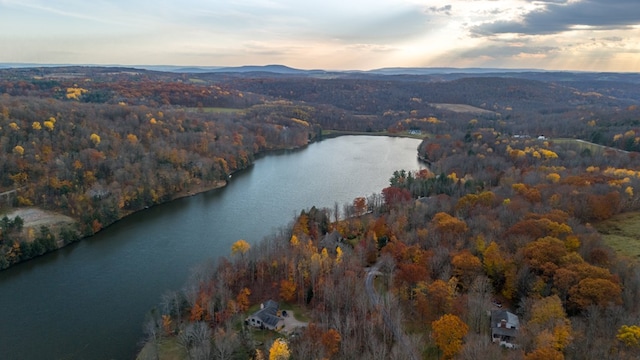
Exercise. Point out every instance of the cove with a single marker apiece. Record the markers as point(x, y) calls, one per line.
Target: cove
point(89, 300)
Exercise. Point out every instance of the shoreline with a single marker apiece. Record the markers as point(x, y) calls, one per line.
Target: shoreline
point(200, 189)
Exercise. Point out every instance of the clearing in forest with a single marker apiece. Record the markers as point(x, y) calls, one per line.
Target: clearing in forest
point(462, 108)
point(622, 233)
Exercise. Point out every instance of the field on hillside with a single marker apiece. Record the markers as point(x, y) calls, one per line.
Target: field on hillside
point(595, 149)
point(622, 233)
point(463, 108)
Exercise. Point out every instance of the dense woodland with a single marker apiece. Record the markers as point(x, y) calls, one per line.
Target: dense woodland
point(503, 218)
point(503, 214)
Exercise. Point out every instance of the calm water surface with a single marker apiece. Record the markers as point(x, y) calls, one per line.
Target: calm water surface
point(89, 300)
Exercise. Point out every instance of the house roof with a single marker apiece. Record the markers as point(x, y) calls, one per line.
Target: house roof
point(504, 332)
point(268, 313)
point(270, 304)
point(268, 319)
point(497, 316)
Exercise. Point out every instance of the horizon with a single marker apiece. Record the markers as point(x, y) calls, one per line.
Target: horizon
point(550, 35)
point(172, 67)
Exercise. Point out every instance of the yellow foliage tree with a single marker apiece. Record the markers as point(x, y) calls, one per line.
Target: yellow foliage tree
point(18, 150)
point(132, 138)
point(279, 350)
point(629, 335)
point(36, 125)
point(548, 154)
point(553, 177)
point(74, 93)
point(493, 262)
point(338, 255)
point(95, 138)
point(294, 240)
point(49, 125)
point(448, 332)
point(446, 223)
point(240, 246)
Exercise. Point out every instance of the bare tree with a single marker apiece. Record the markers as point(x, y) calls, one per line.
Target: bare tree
point(196, 340)
point(478, 303)
point(225, 343)
point(479, 346)
point(153, 333)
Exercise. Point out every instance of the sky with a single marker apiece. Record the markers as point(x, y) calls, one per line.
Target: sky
point(582, 35)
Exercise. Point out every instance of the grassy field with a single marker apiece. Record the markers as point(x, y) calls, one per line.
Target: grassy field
point(168, 349)
point(217, 110)
point(595, 149)
point(463, 108)
point(622, 233)
point(335, 133)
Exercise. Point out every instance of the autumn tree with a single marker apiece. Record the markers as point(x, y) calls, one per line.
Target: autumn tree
point(590, 291)
point(439, 298)
point(629, 335)
point(394, 195)
point(331, 342)
point(360, 205)
point(544, 353)
point(243, 299)
point(545, 252)
point(287, 290)
point(466, 267)
point(240, 247)
point(495, 265)
point(449, 226)
point(549, 323)
point(448, 332)
point(279, 350)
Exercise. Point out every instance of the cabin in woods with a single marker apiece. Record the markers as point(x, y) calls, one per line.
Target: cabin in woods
point(504, 328)
point(267, 317)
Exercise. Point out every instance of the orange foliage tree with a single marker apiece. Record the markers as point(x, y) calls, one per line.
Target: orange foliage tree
point(466, 267)
point(287, 290)
point(448, 332)
point(243, 299)
point(331, 341)
point(592, 291)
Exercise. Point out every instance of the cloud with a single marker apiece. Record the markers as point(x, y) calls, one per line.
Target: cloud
point(503, 52)
point(444, 9)
point(612, 39)
point(558, 16)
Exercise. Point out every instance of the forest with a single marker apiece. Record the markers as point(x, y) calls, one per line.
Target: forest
point(498, 221)
point(504, 217)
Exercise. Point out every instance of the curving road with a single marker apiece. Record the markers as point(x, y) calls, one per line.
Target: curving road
point(375, 300)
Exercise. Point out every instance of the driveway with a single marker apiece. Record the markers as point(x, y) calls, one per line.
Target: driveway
point(291, 323)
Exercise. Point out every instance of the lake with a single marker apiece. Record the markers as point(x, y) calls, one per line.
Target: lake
point(89, 300)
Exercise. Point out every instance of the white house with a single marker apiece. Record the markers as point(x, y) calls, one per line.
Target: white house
point(504, 327)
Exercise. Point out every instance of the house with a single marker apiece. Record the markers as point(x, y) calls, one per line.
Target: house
point(267, 317)
point(331, 241)
point(504, 327)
